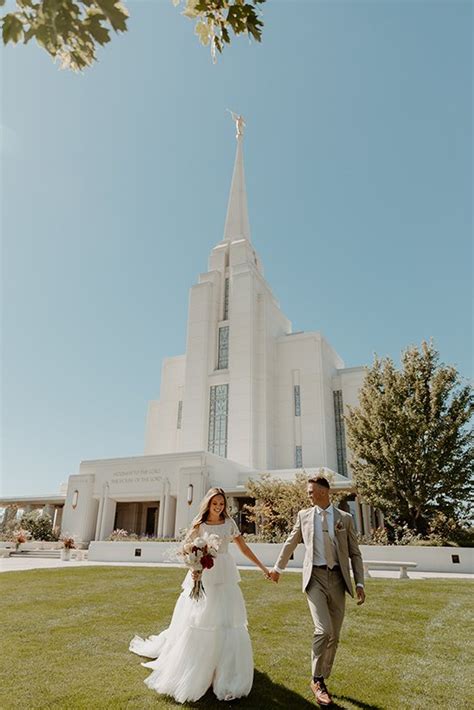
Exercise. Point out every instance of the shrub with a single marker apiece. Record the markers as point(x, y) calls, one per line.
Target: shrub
point(39, 525)
point(120, 535)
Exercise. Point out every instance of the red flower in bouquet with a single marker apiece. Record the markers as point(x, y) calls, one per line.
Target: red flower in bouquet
point(207, 561)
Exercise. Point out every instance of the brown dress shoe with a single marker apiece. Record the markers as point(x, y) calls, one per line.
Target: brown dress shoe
point(321, 693)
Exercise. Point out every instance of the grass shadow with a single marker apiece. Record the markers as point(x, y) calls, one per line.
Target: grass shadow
point(353, 701)
point(265, 693)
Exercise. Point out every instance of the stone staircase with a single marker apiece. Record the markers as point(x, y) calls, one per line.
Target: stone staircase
point(51, 554)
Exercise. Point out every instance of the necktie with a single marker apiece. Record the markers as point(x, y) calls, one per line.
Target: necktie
point(328, 544)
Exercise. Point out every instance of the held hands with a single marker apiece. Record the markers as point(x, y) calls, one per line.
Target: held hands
point(274, 576)
point(269, 574)
point(360, 595)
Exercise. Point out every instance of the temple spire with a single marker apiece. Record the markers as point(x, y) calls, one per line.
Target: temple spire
point(237, 220)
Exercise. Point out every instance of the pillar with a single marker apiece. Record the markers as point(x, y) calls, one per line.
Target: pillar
point(99, 517)
point(161, 517)
point(366, 519)
point(58, 518)
point(169, 516)
point(108, 513)
point(358, 516)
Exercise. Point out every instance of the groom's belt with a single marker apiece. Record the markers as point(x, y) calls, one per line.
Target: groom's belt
point(331, 569)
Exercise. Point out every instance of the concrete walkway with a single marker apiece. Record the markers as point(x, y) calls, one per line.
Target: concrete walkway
point(16, 564)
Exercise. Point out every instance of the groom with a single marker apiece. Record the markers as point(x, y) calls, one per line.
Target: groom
point(330, 540)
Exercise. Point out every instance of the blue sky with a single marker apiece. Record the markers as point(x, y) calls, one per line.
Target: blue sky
point(358, 156)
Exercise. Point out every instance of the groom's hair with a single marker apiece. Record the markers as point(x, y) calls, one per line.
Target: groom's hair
point(320, 480)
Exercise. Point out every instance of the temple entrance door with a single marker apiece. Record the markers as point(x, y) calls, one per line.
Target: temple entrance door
point(138, 517)
point(151, 521)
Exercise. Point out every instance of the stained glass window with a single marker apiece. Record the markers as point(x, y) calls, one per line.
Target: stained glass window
point(226, 299)
point(340, 433)
point(223, 351)
point(218, 411)
point(296, 390)
point(298, 457)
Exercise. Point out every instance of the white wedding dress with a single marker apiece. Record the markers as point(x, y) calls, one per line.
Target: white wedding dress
point(207, 642)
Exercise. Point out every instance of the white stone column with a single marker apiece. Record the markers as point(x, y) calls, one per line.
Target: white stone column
point(161, 517)
point(358, 516)
point(166, 505)
point(169, 516)
point(58, 518)
point(105, 512)
point(110, 506)
point(380, 518)
point(366, 518)
point(99, 516)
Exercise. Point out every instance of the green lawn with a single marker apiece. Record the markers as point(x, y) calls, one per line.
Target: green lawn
point(65, 635)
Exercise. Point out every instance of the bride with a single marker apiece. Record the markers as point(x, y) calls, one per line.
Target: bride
point(207, 642)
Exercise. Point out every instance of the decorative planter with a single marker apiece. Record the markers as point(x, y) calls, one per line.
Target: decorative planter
point(66, 554)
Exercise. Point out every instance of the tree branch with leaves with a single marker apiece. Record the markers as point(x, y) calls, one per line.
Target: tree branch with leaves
point(71, 31)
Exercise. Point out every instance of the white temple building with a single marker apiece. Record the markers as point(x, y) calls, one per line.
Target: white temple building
point(248, 396)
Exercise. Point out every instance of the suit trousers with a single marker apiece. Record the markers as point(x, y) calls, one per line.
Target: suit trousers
point(326, 594)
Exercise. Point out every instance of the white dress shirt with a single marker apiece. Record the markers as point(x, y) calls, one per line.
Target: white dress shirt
point(319, 556)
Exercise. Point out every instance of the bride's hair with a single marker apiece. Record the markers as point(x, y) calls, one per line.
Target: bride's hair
point(204, 506)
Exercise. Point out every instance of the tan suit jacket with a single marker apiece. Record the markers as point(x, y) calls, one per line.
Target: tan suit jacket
point(345, 543)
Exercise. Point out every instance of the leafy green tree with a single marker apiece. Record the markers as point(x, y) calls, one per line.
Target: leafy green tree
point(70, 31)
point(411, 442)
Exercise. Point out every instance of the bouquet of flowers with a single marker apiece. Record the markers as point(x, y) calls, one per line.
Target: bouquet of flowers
point(198, 555)
point(68, 542)
point(19, 537)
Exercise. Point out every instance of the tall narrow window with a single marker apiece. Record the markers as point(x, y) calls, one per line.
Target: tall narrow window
point(296, 390)
point(218, 411)
point(340, 433)
point(226, 299)
point(180, 414)
point(298, 457)
point(223, 349)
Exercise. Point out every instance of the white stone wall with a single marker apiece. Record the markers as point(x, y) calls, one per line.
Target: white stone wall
point(307, 360)
point(80, 521)
point(162, 435)
point(199, 354)
point(427, 559)
point(349, 381)
point(331, 362)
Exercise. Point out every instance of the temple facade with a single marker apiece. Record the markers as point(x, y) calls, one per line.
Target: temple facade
point(249, 396)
